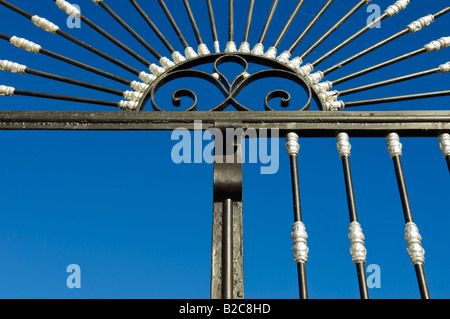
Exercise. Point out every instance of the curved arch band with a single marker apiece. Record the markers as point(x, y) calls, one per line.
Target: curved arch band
point(229, 89)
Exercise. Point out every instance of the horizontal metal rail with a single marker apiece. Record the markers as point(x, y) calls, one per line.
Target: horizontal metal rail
point(305, 124)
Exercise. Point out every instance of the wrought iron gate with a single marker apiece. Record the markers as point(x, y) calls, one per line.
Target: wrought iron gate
point(330, 119)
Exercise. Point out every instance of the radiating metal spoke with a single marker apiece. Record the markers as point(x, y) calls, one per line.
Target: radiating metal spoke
point(398, 98)
point(268, 21)
point(288, 24)
point(61, 97)
point(442, 69)
point(249, 20)
point(110, 37)
point(152, 26)
point(212, 22)
point(433, 46)
point(52, 28)
point(173, 23)
point(411, 28)
point(38, 49)
point(23, 69)
point(129, 29)
point(193, 22)
point(332, 29)
point(310, 25)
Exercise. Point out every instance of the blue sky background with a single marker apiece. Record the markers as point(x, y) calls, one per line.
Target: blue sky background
point(139, 225)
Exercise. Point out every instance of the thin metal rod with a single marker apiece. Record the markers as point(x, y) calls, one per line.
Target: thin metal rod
point(442, 12)
point(379, 66)
point(332, 29)
point(130, 30)
point(350, 39)
point(72, 81)
point(301, 269)
point(422, 281)
point(302, 283)
point(360, 270)
point(295, 189)
point(113, 40)
point(227, 249)
point(362, 280)
point(85, 67)
point(420, 273)
point(16, 9)
point(65, 98)
point(173, 23)
point(398, 98)
point(98, 52)
point(268, 21)
point(390, 81)
point(76, 63)
point(249, 20)
point(366, 51)
point(310, 26)
point(402, 189)
point(76, 41)
point(192, 20)
point(349, 189)
point(447, 158)
point(212, 21)
point(230, 20)
point(378, 45)
point(288, 23)
point(152, 26)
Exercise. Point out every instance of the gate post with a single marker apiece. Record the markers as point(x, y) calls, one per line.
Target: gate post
point(227, 276)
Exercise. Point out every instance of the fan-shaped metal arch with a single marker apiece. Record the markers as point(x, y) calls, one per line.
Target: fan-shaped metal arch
point(280, 61)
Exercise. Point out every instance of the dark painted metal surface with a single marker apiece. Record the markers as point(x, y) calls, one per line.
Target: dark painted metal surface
point(301, 267)
point(360, 269)
point(420, 272)
point(227, 276)
point(306, 124)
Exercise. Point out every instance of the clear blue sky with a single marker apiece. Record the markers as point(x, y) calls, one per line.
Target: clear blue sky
point(139, 226)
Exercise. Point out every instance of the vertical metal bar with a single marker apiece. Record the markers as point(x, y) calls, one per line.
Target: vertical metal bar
point(295, 188)
point(357, 250)
point(299, 233)
point(444, 145)
point(227, 249)
point(412, 235)
point(402, 189)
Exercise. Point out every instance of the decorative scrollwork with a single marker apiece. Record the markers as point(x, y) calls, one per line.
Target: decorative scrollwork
point(229, 89)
